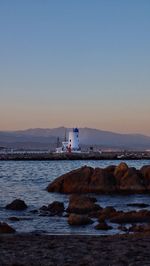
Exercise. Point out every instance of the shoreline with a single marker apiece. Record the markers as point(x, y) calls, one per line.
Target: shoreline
point(44, 250)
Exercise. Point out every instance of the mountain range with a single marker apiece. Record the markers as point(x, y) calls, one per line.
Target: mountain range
point(39, 138)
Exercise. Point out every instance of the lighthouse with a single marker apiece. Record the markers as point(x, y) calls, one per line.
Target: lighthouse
point(73, 141)
point(70, 145)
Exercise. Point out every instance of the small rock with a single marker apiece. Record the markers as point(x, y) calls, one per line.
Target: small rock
point(56, 207)
point(103, 226)
point(14, 219)
point(17, 205)
point(44, 208)
point(77, 219)
point(122, 228)
point(107, 213)
point(6, 229)
point(138, 205)
point(82, 205)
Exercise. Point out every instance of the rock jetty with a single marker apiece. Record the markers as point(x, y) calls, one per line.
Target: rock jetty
point(109, 180)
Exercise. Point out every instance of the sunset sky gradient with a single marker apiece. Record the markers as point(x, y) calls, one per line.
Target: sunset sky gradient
point(75, 63)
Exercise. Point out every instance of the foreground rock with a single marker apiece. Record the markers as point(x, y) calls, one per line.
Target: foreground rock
point(6, 229)
point(77, 219)
point(73, 250)
point(17, 205)
point(112, 179)
point(82, 205)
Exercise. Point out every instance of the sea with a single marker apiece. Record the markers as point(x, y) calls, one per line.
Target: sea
point(27, 180)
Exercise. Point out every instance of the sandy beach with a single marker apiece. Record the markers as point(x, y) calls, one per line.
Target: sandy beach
point(45, 250)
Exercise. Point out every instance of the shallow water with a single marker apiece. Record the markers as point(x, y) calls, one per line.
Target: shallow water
point(28, 180)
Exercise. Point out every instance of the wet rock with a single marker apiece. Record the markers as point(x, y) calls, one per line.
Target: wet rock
point(82, 205)
point(6, 229)
point(103, 226)
point(107, 213)
point(56, 207)
point(77, 219)
point(44, 208)
point(17, 205)
point(16, 219)
point(138, 205)
point(131, 217)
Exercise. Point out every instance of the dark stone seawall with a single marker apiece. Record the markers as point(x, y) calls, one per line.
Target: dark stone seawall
point(74, 156)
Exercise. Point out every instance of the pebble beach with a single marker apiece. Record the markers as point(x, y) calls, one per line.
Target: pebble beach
point(67, 250)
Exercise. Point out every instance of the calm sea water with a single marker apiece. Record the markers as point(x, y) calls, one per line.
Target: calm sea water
point(28, 180)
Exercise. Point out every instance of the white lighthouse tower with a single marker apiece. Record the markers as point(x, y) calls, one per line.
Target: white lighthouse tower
point(73, 141)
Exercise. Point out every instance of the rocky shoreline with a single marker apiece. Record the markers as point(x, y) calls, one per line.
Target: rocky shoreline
point(130, 247)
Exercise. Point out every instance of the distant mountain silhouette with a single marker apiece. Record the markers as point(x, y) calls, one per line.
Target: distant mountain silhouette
point(39, 138)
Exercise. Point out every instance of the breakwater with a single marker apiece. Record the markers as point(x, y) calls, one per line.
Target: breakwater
point(75, 156)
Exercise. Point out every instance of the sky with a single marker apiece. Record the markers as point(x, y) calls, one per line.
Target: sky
point(82, 63)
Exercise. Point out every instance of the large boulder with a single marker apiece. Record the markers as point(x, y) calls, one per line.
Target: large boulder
point(120, 170)
point(145, 170)
point(6, 229)
point(78, 219)
point(110, 169)
point(82, 205)
point(132, 181)
point(102, 181)
point(17, 205)
point(84, 180)
point(112, 179)
point(76, 181)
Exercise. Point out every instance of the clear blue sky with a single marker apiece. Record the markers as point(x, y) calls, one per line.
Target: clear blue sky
point(75, 62)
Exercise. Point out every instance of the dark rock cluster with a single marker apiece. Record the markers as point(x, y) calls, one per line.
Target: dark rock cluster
point(112, 179)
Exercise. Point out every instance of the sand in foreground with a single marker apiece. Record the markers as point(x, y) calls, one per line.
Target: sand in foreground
point(35, 250)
